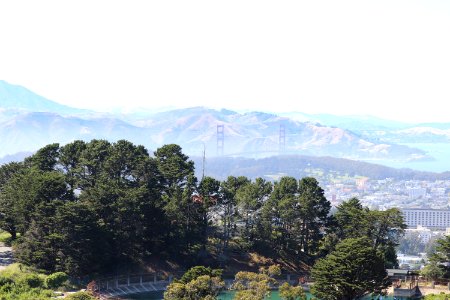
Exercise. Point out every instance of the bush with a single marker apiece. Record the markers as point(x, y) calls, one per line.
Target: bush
point(198, 271)
point(55, 280)
point(31, 280)
point(5, 280)
point(80, 296)
point(6, 288)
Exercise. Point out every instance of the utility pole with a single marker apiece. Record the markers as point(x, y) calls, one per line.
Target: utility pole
point(204, 159)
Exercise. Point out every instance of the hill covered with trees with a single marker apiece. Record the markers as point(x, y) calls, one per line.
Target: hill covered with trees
point(90, 208)
point(294, 165)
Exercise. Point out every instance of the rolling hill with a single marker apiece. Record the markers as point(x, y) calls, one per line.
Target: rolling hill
point(29, 121)
point(257, 134)
point(15, 98)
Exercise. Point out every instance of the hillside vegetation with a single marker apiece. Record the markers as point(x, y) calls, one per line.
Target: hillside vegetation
point(295, 165)
point(98, 207)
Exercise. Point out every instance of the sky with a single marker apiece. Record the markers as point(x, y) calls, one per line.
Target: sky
point(384, 58)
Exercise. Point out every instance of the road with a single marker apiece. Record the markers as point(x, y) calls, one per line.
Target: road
point(6, 257)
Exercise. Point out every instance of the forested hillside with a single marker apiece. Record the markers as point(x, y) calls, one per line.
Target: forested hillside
point(295, 165)
point(90, 208)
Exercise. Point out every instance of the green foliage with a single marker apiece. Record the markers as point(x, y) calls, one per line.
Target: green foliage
point(56, 280)
point(8, 215)
point(204, 287)
point(353, 269)
point(273, 270)
point(351, 219)
point(250, 285)
point(227, 203)
point(199, 283)
point(5, 281)
point(18, 283)
point(439, 255)
point(247, 295)
point(250, 198)
point(314, 209)
point(80, 296)
point(288, 292)
point(117, 206)
point(175, 291)
point(441, 296)
point(432, 271)
point(442, 252)
point(30, 281)
point(88, 207)
point(174, 167)
point(383, 228)
point(198, 271)
point(5, 237)
point(24, 192)
point(44, 159)
point(295, 216)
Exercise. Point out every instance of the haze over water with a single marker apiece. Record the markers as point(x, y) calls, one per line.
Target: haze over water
point(439, 151)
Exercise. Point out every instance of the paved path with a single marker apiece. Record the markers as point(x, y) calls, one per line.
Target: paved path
point(6, 257)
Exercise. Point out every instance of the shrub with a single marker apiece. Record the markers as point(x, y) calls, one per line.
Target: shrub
point(6, 288)
point(80, 296)
point(198, 271)
point(5, 280)
point(31, 280)
point(55, 280)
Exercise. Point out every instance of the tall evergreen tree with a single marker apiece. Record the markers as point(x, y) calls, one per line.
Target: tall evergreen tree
point(314, 210)
point(278, 213)
point(250, 199)
point(227, 206)
point(8, 205)
point(352, 270)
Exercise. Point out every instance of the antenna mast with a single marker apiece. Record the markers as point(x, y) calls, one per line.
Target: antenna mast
point(204, 159)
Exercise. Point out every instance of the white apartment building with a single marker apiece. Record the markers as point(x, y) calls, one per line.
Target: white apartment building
point(423, 233)
point(431, 218)
point(416, 192)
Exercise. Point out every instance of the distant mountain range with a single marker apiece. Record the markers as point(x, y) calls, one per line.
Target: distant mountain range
point(15, 98)
point(351, 122)
point(29, 121)
point(30, 131)
point(257, 134)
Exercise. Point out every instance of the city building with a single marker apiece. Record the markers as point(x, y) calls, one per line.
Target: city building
point(423, 233)
point(417, 192)
point(431, 218)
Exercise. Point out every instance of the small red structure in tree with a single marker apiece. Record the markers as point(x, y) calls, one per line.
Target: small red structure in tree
point(199, 199)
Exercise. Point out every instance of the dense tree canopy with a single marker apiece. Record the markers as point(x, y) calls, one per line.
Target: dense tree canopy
point(198, 283)
point(383, 228)
point(439, 258)
point(255, 286)
point(288, 292)
point(352, 270)
point(90, 207)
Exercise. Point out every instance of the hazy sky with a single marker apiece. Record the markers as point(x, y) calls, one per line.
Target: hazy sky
point(386, 58)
